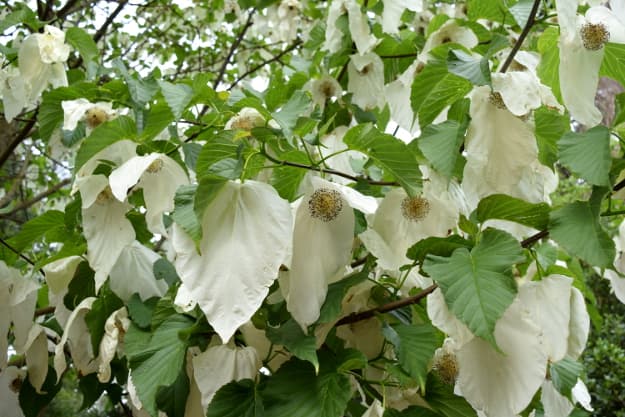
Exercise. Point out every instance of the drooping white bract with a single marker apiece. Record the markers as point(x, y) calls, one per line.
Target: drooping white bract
point(402, 221)
point(449, 32)
point(617, 278)
point(289, 20)
point(393, 9)
point(10, 382)
point(503, 384)
point(14, 92)
point(375, 410)
point(115, 327)
point(246, 119)
point(18, 296)
point(82, 109)
point(323, 89)
point(78, 339)
point(221, 364)
point(581, 53)
point(247, 232)
point(133, 273)
point(58, 275)
point(366, 80)
point(358, 27)
point(322, 245)
point(41, 57)
point(501, 153)
point(557, 405)
point(522, 92)
point(159, 176)
point(397, 95)
point(338, 156)
point(36, 354)
point(105, 226)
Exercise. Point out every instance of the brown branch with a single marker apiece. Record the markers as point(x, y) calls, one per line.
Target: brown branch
point(38, 197)
point(354, 317)
point(291, 47)
point(44, 310)
point(233, 48)
point(526, 30)
point(22, 134)
point(102, 31)
point(16, 182)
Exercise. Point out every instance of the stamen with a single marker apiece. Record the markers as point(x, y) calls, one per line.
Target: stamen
point(105, 196)
point(95, 116)
point(446, 366)
point(594, 36)
point(155, 166)
point(497, 100)
point(415, 208)
point(325, 204)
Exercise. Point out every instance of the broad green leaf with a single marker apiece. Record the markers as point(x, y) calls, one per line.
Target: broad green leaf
point(286, 179)
point(156, 359)
point(439, 246)
point(154, 121)
point(37, 228)
point(221, 146)
point(104, 135)
point(21, 13)
point(290, 335)
point(442, 399)
point(613, 64)
point(389, 152)
point(173, 399)
point(351, 359)
point(587, 154)
point(504, 207)
point(412, 411)
point(550, 60)
point(292, 110)
point(184, 213)
point(435, 88)
point(467, 66)
point(486, 9)
point(441, 145)
point(331, 307)
point(550, 125)
point(81, 41)
point(237, 399)
point(578, 230)
point(521, 11)
point(191, 153)
point(141, 89)
point(478, 285)
point(415, 346)
point(178, 96)
point(140, 312)
point(80, 287)
point(564, 375)
point(105, 304)
point(295, 391)
point(207, 190)
point(31, 402)
point(163, 269)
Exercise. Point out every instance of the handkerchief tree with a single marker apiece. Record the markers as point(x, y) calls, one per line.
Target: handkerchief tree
point(297, 208)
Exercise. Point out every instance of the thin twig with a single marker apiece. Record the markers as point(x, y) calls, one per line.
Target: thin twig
point(37, 198)
point(233, 48)
point(522, 36)
point(23, 134)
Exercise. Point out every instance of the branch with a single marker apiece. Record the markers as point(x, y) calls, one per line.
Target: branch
point(329, 171)
point(354, 317)
point(233, 47)
point(291, 47)
point(522, 36)
point(16, 182)
point(37, 198)
point(23, 134)
point(102, 31)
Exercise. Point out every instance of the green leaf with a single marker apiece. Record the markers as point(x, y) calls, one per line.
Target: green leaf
point(80, 287)
point(286, 179)
point(140, 312)
point(50, 115)
point(415, 346)
point(173, 399)
point(550, 125)
point(178, 96)
point(486, 9)
point(104, 305)
point(587, 154)
point(237, 399)
point(504, 207)
point(412, 411)
point(439, 246)
point(474, 69)
point(32, 402)
point(163, 269)
point(290, 335)
point(435, 88)
point(548, 68)
point(287, 116)
point(82, 42)
point(578, 230)
point(613, 64)
point(184, 213)
point(478, 285)
point(207, 190)
point(441, 145)
point(331, 307)
point(141, 89)
point(564, 375)
point(35, 229)
point(122, 127)
point(442, 399)
point(295, 391)
point(389, 152)
point(156, 359)
point(21, 13)
point(217, 148)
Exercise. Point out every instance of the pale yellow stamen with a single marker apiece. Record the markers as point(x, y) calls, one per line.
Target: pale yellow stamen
point(594, 36)
point(325, 204)
point(415, 208)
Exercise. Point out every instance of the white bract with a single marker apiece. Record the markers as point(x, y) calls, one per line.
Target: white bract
point(246, 237)
point(366, 80)
point(93, 114)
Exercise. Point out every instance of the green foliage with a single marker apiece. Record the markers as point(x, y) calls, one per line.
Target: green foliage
point(501, 206)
